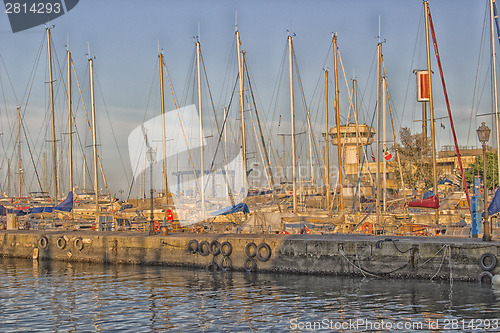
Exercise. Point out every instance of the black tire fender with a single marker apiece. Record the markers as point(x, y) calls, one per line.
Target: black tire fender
point(43, 242)
point(215, 247)
point(204, 248)
point(193, 246)
point(484, 263)
point(78, 243)
point(61, 243)
point(263, 247)
point(226, 249)
point(251, 249)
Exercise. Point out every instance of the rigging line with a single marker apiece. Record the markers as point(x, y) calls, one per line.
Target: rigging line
point(189, 79)
point(31, 155)
point(180, 122)
point(474, 107)
point(132, 182)
point(35, 65)
point(209, 92)
point(394, 134)
point(219, 140)
point(449, 109)
point(86, 114)
point(365, 158)
point(268, 162)
point(312, 135)
point(411, 69)
point(227, 75)
point(276, 91)
point(112, 129)
point(9, 79)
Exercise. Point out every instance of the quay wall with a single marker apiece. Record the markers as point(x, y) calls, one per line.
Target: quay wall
point(337, 254)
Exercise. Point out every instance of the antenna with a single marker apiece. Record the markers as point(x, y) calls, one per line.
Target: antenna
point(158, 45)
point(236, 21)
point(199, 30)
point(67, 42)
point(379, 28)
point(88, 48)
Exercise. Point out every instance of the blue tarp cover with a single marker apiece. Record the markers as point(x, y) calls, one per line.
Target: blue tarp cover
point(241, 207)
point(65, 206)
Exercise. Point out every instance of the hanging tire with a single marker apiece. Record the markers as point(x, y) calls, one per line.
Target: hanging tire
point(226, 249)
point(488, 261)
point(193, 246)
point(43, 242)
point(61, 243)
point(251, 249)
point(212, 267)
point(250, 264)
point(485, 277)
point(215, 248)
point(226, 264)
point(263, 252)
point(204, 248)
point(78, 244)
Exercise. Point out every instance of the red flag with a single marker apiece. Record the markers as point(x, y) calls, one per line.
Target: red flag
point(373, 158)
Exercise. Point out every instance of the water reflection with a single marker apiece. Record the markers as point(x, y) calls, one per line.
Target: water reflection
point(61, 296)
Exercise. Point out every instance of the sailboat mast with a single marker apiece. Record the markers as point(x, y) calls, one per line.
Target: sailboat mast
point(292, 114)
point(327, 146)
point(242, 110)
point(162, 93)
point(8, 178)
point(51, 89)
point(202, 170)
point(379, 120)
point(337, 116)
point(495, 86)
point(94, 133)
point(70, 125)
point(19, 163)
point(384, 146)
point(431, 103)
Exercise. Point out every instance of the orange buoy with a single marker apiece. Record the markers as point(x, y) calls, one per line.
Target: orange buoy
point(157, 226)
point(367, 228)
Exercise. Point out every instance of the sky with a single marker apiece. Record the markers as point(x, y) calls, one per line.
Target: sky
point(124, 36)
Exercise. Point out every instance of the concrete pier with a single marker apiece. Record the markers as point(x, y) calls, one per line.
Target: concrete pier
point(336, 254)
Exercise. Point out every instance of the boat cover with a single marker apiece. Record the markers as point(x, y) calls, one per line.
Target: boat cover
point(241, 207)
point(430, 202)
point(65, 206)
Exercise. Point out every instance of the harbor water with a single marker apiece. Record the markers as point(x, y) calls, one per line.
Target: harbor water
point(52, 296)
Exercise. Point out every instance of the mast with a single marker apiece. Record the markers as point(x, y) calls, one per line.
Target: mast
point(70, 125)
point(495, 87)
point(431, 104)
point(202, 170)
point(379, 120)
point(292, 113)
point(51, 85)
point(242, 111)
point(384, 146)
point(94, 133)
point(19, 163)
point(327, 146)
point(337, 115)
point(8, 178)
point(162, 93)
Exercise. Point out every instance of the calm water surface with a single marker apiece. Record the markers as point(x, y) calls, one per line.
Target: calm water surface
point(65, 297)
